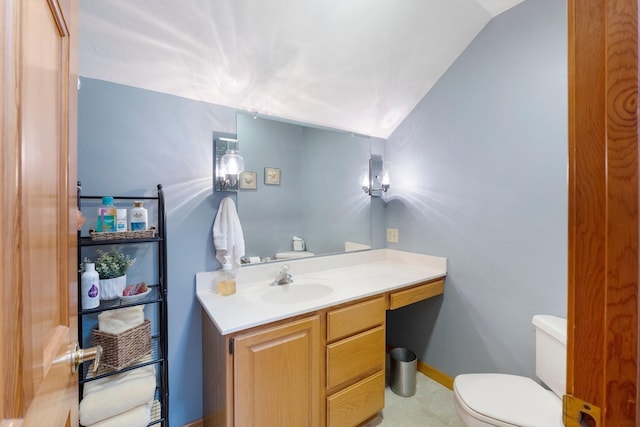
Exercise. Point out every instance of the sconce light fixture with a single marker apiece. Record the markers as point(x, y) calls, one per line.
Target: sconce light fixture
point(229, 164)
point(378, 180)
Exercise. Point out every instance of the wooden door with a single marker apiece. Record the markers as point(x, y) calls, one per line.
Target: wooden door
point(602, 355)
point(38, 271)
point(277, 375)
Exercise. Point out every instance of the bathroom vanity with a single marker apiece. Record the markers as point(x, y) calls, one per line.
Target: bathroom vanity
point(312, 352)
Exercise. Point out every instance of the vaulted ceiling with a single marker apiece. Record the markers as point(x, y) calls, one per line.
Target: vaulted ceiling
point(355, 65)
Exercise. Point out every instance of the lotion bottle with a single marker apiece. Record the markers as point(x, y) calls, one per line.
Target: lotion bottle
point(90, 287)
point(139, 217)
point(227, 283)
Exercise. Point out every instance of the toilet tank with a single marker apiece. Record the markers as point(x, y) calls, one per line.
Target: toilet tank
point(551, 352)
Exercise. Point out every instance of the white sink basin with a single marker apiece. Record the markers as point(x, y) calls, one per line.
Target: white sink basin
point(296, 292)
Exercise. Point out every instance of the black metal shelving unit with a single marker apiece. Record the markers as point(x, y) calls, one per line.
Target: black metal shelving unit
point(156, 298)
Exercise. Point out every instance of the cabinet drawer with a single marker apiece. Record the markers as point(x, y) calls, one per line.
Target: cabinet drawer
point(418, 293)
point(356, 356)
point(355, 318)
point(355, 404)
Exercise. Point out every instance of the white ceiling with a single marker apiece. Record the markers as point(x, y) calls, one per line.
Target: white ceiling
point(356, 65)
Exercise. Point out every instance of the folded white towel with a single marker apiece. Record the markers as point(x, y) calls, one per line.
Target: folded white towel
point(110, 396)
point(140, 416)
point(227, 233)
point(118, 321)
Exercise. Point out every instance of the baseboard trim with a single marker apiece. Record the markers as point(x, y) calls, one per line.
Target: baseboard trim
point(436, 375)
point(428, 370)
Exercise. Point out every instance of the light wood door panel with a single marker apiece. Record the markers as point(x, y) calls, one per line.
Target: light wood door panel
point(277, 372)
point(38, 274)
point(602, 359)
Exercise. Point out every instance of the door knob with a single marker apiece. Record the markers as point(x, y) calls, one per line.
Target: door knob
point(79, 356)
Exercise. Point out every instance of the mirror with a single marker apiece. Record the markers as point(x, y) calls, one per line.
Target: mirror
point(307, 185)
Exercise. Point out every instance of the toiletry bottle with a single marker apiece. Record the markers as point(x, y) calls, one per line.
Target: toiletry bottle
point(90, 287)
point(107, 214)
point(227, 283)
point(121, 219)
point(139, 217)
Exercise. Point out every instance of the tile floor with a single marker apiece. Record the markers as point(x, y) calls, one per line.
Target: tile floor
point(431, 406)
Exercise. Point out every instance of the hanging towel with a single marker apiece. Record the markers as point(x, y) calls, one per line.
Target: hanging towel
point(227, 233)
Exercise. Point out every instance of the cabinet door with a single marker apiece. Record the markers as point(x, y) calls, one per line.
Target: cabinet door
point(277, 375)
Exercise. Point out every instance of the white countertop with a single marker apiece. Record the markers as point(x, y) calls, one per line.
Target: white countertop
point(349, 276)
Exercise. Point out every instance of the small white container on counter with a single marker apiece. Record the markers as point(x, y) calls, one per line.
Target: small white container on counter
point(298, 244)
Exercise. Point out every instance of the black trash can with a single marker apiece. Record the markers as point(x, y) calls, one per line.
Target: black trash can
point(404, 364)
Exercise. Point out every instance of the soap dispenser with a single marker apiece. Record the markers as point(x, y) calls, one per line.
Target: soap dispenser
point(227, 281)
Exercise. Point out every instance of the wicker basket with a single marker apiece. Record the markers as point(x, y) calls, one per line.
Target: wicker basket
point(119, 350)
point(119, 235)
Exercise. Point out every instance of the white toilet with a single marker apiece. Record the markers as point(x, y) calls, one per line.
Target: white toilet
point(509, 400)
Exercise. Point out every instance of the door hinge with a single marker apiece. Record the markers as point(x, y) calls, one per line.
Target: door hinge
point(578, 413)
point(230, 345)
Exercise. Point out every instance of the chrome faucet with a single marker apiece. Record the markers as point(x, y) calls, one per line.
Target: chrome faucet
point(283, 278)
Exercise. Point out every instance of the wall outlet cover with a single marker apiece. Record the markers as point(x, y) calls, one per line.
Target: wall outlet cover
point(392, 235)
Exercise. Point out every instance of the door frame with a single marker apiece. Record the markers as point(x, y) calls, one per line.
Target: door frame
point(603, 207)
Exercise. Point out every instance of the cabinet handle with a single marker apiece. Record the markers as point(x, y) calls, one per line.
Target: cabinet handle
point(79, 356)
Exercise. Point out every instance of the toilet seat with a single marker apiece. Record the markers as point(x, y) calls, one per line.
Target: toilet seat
point(506, 401)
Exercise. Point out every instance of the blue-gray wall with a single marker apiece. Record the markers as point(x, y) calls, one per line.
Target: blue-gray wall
point(131, 139)
point(479, 175)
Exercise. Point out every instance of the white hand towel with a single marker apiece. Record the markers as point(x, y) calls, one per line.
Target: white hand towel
point(120, 320)
point(110, 396)
point(227, 233)
point(140, 416)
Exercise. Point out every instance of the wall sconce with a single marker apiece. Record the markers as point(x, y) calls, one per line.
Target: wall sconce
point(378, 180)
point(229, 164)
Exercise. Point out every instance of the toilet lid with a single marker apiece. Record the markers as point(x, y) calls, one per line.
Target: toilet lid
point(511, 399)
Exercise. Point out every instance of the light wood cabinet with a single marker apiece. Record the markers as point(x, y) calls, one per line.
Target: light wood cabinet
point(355, 362)
point(355, 318)
point(277, 375)
point(416, 293)
point(324, 368)
point(359, 401)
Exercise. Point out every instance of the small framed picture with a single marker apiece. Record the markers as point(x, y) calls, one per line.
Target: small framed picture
point(272, 176)
point(248, 180)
